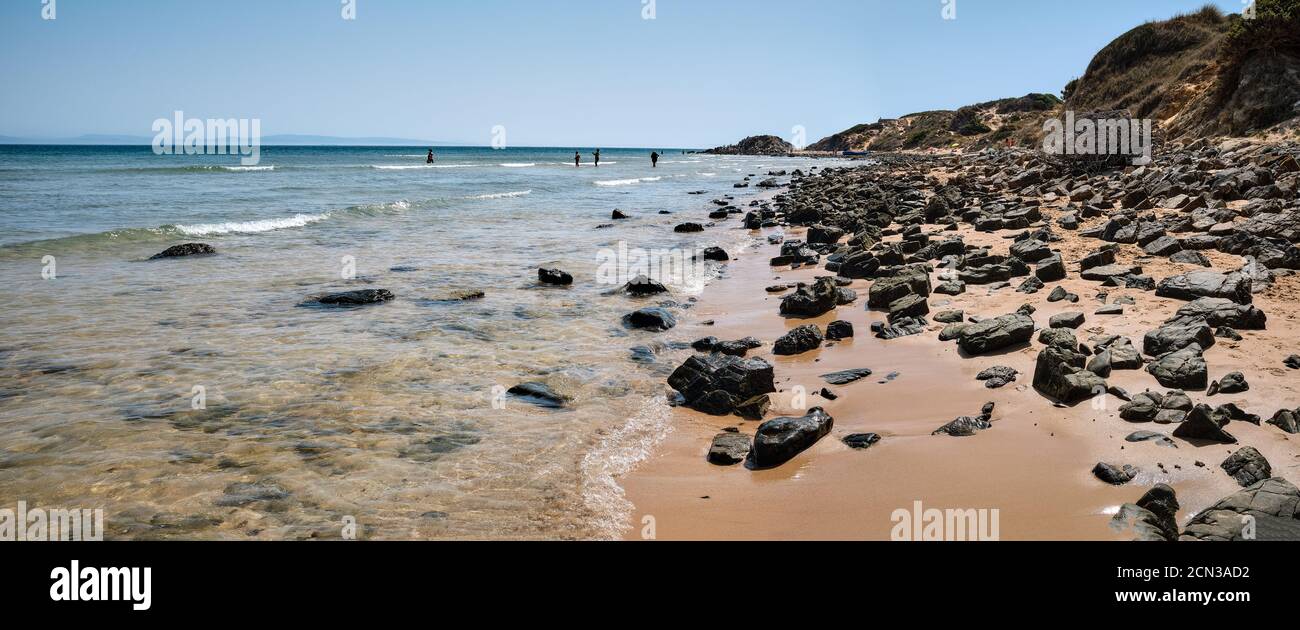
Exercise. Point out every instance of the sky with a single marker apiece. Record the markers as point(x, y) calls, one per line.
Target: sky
point(701, 73)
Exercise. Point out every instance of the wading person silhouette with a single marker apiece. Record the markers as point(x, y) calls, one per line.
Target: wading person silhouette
point(654, 159)
point(577, 160)
point(430, 158)
point(597, 156)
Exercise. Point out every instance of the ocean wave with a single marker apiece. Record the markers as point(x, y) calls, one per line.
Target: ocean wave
point(250, 227)
point(503, 195)
point(408, 167)
point(626, 182)
point(518, 164)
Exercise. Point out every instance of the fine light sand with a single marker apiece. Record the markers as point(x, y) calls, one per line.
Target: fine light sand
point(1034, 465)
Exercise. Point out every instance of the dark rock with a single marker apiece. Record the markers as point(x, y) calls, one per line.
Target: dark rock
point(653, 318)
point(1183, 369)
point(861, 440)
point(183, 250)
point(779, 440)
point(754, 408)
point(798, 341)
point(1203, 424)
point(995, 334)
point(688, 228)
point(811, 300)
point(716, 384)
point(539, 394)
point(729, 449)
point(1151, 436)
point(716, 254)
point(1059, 374)
point(641, 286)
point(1153, 518)
point(1232, 383)
point(1287, 419)
point(554, 276)
point(839, 329)
point(1066, 320)
point(1203, 283)
point(1174, 337)
point(847, 376)
point(1247, 466)
point(997, 376)
point(1220, 312)
point(1114, 475)
point(356, 298)
point(1273, 506)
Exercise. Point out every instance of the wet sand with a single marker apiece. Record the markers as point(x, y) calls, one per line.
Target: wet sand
point(1034, 465)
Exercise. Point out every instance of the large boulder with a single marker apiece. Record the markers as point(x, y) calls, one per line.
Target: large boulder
point(1273, 508)
point(780, 439)
point(717, 383)
point(997, 333)
point(1204, 283)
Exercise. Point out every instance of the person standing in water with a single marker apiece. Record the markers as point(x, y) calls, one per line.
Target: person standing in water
point(597, 156)
point(430, 159)
point(577, 160)
point(654, 159)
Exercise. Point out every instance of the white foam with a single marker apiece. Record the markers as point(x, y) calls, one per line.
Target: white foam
point(504, 195)
point(407, 167)
point(245, 169)
point(519, 164)
point(250, 227)
point(627, 182)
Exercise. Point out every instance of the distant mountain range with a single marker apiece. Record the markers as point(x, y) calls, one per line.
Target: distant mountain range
point(275, 140)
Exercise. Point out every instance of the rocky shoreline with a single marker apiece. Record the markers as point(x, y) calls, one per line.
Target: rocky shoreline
point(1015, 234)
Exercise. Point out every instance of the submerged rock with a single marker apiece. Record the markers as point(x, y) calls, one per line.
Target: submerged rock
point(539, 394)
point(356, 298)
point(554, 277)
point(183, 250)
point(1273, 506)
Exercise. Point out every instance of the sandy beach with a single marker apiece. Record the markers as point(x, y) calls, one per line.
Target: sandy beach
point(1033, 465)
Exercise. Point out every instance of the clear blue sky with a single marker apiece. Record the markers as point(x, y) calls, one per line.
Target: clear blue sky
point(553, 72)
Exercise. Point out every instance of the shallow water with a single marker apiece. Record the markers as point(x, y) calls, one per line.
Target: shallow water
point(391, 414)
